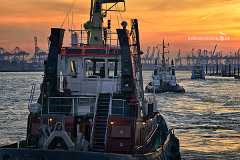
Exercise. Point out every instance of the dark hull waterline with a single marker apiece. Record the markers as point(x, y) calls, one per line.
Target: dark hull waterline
point(9, 154)
point(174, 89)
point(169, 151)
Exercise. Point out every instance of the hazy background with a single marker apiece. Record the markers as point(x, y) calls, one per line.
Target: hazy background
point(173, 20)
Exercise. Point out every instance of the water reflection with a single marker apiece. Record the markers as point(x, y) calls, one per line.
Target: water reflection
point(206, 118)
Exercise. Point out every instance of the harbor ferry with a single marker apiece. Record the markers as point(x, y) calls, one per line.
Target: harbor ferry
point(164, 77)
point(92, 104)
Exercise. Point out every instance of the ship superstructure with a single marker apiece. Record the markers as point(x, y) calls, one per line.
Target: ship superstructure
point(92, 102)
point(164, 76)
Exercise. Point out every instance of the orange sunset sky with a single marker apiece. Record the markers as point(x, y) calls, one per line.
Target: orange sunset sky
point(173, 20)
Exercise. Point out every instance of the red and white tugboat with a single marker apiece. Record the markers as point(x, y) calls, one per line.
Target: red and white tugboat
point(92, 104)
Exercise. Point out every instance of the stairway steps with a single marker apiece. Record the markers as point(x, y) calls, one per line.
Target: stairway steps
point(103, 103)
point(102, 123)
point(102, 110)
point(100, 130)
point(103, 106)
point(101, 118)
point(99, 141)
point(101, 115)
point(99, 135)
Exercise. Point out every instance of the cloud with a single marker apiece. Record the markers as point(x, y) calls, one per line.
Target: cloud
point(36, 7)
point(182, 6)
point(175, 19)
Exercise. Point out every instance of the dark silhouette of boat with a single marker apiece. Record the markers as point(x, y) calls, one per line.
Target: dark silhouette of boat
point(92, 105)
point(164, 77)
point(198, 72)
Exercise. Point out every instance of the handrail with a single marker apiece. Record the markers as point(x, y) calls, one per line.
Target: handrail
point(149, 139)
point(109, 113)
point(83, 37)
point(73, 99)
point(93, 124)
point(95, 111)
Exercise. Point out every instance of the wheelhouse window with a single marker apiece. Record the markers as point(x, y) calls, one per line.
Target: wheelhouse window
point(95, 68)
point(112, 68)
point(155, 72)
point(61, 82)
point(73, 68)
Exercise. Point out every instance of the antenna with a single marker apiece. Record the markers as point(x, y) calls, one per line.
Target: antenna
point(35, 44)
point(68, 12)
point(91, 10)
point(214, 49)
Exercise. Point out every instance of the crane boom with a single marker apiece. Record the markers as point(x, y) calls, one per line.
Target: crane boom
point(214, 49)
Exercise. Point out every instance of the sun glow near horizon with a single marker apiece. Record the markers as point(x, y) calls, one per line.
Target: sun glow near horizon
point(173, 20)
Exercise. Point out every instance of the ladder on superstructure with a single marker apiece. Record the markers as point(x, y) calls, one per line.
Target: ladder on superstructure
point(100, 122)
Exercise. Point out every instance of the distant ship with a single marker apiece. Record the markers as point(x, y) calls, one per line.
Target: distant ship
point(198, 72)
point(164, 77)
point(92, 104)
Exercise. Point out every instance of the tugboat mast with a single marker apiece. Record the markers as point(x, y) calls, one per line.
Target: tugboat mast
point(163, 53)
point(95, 24)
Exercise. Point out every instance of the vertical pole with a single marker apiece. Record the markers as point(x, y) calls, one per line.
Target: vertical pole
point(163, 56)
point(238, 70)
point(48, 104)
point(206, 67)
point(229, 70)
point(213, 69)
point(73, 106)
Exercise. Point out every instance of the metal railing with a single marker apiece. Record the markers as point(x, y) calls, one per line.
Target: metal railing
point(95, 111)
point(69, 105)
point(150, 127)
point(111, 39)
point(109, 113)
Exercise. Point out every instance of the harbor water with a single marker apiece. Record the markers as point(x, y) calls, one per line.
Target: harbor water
point(206, 118)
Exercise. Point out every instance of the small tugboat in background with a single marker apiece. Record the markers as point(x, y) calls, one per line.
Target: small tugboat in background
point(92, 104)
point(164, 77)
point(237, 75)
point(198, 72)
